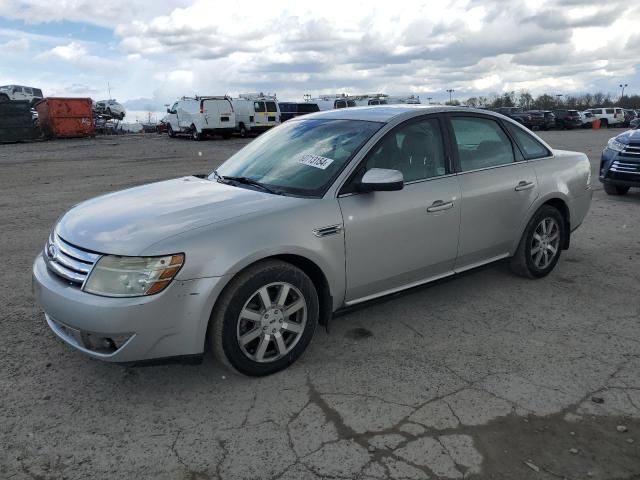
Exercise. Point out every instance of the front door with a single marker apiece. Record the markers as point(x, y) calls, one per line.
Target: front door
point(497, 189)
point(401, 238)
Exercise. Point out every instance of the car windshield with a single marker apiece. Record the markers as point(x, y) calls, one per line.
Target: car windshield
point(300, 157)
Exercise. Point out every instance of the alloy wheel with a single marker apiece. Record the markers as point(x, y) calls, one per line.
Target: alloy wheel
point(545, 243)
point(271, 322)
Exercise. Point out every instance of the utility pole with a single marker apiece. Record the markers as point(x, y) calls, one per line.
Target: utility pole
point(429, 100)
point(450, 90)
point(623, 86)
point(559, 96)
point(109, 88)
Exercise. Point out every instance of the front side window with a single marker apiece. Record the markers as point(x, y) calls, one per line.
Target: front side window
point(609, 110)
point(531, 148)
point(259, 107)
point(17, 89)
point(415, 148)
point(481, 143)
point(300, 157)
point(341, 104)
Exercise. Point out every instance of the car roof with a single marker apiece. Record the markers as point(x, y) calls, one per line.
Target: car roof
point(388, 113)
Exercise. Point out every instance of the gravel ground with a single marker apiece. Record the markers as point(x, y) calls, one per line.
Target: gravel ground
point(484, 376)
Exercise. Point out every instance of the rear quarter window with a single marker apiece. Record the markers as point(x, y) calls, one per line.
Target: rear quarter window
point(530, 147)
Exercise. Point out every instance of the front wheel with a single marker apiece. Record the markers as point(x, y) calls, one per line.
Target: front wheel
point(170, 131)
point(612, 189)
point(264, 319)
point(197, 136)
point(541, 244)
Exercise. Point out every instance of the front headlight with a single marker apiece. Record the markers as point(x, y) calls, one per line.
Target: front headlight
point(615, 145)
point(115, 276)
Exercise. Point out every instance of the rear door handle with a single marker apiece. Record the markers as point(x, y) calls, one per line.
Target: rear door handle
point(439, 206)
point(523, 185)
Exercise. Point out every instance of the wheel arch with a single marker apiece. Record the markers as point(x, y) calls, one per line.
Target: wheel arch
point(560, 205)
point(308, 266)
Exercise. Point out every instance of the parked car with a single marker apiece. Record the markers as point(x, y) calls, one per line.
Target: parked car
point(289, 110)
point(110, 108)
point(201, 116)
point(587, 118)
point(516, 113)
point(19, 92)
point(609, 117)
point(635, 123)
point(323, 212)
point(256, 112)
point(567, 119)
point(542, 119)
point(161, 126)
point(620, 163)
point(629, 115)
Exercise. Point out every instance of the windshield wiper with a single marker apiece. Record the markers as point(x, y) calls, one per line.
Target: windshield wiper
point(246, 181)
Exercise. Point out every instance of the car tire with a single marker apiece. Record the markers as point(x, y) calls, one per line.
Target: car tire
point(541, 244)
point(170, 131)
point(197, 136)
point(243, 131)
point(4, 98)
point(604, 123)
point(613, 189)
point(254, 339)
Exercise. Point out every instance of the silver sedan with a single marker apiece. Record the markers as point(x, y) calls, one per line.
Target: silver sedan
point(326, 211)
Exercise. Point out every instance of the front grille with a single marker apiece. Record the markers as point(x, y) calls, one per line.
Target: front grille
point(631, 151)
point(68, 261)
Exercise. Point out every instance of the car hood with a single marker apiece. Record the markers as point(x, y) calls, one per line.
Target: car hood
point(127, 222)
point(630, 136)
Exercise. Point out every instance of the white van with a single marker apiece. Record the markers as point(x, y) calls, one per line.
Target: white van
point(409, 100)
point(255, 112)
point(201, 116)
point(330, 102)
point(609, 116)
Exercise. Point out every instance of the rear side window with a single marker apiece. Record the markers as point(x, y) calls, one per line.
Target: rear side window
point(609, 110)
point(259, 107)
point(531, 148)
point(308, 107)
point(341, 104)
point(481, 143)
point(351, 103)
point(286, 107)
point(271, 107)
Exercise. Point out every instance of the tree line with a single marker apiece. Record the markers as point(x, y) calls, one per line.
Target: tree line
point(547, 102)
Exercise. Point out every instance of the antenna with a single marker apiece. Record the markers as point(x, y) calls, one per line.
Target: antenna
point(109, 88)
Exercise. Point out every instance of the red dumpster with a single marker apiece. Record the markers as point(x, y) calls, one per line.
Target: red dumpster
point(66, 117)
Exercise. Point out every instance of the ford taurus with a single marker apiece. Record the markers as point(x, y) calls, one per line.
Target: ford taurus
point(323, 212)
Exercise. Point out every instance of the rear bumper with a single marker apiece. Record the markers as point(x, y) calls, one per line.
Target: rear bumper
point(579, 208)
point(171, 323)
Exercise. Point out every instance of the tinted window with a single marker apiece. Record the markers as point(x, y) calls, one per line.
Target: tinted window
point(481, 143)
point(28, 90)
point(531, 148)
point(415, 148)
point(259, 107)
point(351, 103)
point(308, 107)
point(271, 107)
point(300, 157)
point(609, 110)
point(341, 104)
point(596, 110)
point(37, 92)
point(17, 89)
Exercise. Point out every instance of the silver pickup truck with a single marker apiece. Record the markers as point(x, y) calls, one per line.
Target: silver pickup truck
point(325, 211)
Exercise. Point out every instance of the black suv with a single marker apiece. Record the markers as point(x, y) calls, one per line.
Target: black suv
point(289, 110)
point(567, 119)
point(516, 114)
point(542, 119)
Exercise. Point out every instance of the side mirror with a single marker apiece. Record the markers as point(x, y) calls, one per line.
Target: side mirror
point(381, 180)
point(168, 110)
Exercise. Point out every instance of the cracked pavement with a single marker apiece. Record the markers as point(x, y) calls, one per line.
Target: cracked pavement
point(467, 378)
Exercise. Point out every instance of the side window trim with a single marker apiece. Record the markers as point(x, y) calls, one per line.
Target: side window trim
point(446, 144)
point(522, 151)
point(454, 148)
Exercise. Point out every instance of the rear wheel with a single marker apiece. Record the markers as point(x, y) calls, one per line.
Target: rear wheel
point(541, 244)
point(604, 123)
point(613, 189)
point(243, 131)
point(4, 98)
point(264, 319)
point(197, 136)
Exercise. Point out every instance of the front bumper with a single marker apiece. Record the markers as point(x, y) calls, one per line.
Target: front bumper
point(171, 323)
point(620, 168)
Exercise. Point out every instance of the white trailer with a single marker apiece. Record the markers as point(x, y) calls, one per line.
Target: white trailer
point(255, 112)
point(409, 100)
point(201, 116)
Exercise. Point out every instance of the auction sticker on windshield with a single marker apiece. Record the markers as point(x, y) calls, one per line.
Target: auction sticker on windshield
point(315, 161)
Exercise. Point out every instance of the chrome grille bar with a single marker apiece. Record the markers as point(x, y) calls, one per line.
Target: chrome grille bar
point(68, 261)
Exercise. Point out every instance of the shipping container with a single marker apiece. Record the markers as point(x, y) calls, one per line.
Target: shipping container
point(66, 117)
point(16, 121)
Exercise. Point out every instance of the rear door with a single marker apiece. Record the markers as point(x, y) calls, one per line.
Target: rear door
point(497, 189)
point(273, 113)
point(260, 116)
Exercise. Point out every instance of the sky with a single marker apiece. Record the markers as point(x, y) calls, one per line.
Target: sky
point(152, 52)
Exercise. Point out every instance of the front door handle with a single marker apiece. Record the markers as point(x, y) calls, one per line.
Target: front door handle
point(523, 185)
point(439, 206)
